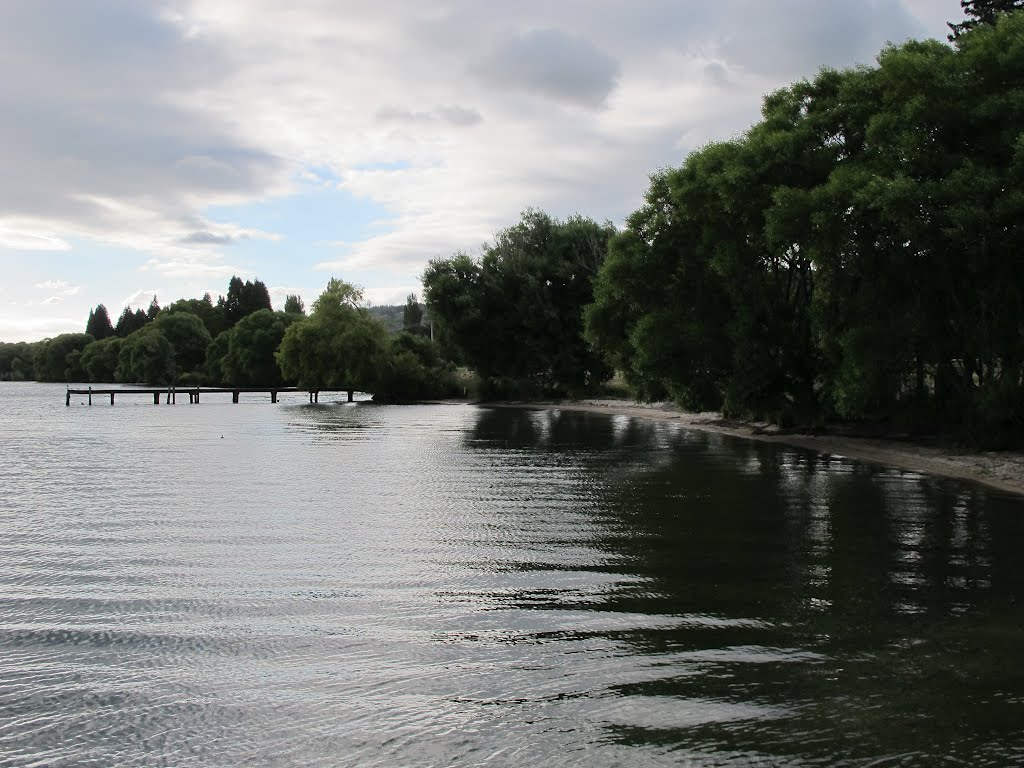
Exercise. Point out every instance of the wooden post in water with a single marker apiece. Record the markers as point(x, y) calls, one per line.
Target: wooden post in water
point(273, 396)
point(156, 397)
point(350, 395)
point(234, 396)
point(90, 394)
point(111, 397)
point(67, 400)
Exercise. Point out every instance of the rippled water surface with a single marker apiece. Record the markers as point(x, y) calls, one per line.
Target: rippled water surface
point(446, 585)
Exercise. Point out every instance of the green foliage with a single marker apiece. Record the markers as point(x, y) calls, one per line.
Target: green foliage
point(517, 313)
point(293, 305)
point(854, 255)
point(146, 357)
point(981, 12)
point(212, 315)
point(339, 345)
point(413, 368)
point(59, 358)
point(17, 361)
point(100, 359)
point(251, 347)
point(188, 338)
point(216, 351)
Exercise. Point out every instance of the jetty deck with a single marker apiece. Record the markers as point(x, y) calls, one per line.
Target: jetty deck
point(171, 393)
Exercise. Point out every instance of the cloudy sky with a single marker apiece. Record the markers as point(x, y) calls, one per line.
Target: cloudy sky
point(161, 147)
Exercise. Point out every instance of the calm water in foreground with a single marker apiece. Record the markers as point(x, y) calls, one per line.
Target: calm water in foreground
point(445, 585)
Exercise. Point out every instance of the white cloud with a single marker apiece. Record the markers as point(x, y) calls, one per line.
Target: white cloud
point(23, 236)
point(140, 299)
point(128, 124)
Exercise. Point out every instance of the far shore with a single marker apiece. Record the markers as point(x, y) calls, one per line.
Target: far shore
point(1002, 470)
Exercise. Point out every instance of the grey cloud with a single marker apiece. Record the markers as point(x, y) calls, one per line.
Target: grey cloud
point(209, 238)
point(459, 115)
point(89, 111)
point(553, 63)
point(793, 39)
point(777, 39)
point(717, 75)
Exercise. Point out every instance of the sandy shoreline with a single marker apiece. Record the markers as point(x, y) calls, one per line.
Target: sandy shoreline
point(1003, 470)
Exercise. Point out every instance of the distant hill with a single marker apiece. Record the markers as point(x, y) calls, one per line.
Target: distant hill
point(392, 315)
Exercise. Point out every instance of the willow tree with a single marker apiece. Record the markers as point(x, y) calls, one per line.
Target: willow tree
point(338, 346)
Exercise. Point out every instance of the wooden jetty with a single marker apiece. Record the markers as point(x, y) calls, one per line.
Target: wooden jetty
point(171, 393)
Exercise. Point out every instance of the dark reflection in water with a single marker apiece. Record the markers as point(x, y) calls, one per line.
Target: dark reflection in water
point(828, 613)
point(342, 585)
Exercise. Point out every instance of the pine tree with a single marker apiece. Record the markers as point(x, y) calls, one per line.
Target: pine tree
point(129, 322)
point(982, 12)
point(98, 326)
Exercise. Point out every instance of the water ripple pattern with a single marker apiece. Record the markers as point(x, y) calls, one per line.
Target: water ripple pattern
point(448, 585)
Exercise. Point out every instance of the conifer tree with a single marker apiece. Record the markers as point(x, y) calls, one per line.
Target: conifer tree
point(98, 325)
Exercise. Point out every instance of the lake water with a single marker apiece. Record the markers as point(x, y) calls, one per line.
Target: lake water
point(446, 585)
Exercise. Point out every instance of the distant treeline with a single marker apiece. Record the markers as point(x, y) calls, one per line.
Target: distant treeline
point(241, 341)
point(855, 256)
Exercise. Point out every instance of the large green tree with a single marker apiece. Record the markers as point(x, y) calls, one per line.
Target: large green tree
point(100, 359)
point(516, 314)
point(98, 325)
point(251, 348)
point(147, 357)
point(188, 338)
point(339, 345)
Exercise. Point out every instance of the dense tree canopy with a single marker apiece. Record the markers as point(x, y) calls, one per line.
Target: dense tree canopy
point(17, 361)
point(854, 255)
point(59, 358)
point(249, 360)
point(100, 359)
point(147, 357)
point(515, 315)
point(213, 316)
